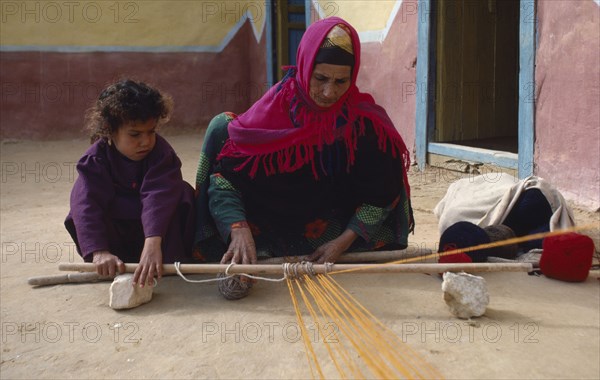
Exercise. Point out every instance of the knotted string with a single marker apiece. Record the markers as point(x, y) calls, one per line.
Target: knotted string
point(226, 275)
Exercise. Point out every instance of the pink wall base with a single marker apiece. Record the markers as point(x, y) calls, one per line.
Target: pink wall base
point(567, 147)
point(45, 94)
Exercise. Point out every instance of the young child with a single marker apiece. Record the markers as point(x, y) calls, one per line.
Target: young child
point(130, 202)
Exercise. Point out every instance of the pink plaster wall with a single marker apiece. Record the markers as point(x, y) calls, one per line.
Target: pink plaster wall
point(388, 71)
point(567, 120)
point(44, 94)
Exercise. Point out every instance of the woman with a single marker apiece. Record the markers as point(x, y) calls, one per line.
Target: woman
point(314, 167)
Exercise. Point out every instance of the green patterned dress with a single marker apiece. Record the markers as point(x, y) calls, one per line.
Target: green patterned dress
point(292, 214)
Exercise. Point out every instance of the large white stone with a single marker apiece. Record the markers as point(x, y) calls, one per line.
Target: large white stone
point(123, 295)
point(466, 295)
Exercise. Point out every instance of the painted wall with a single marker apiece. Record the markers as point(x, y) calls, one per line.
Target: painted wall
point(388, 34)
point(567, 76)
point(567, 82)
point(57, 56)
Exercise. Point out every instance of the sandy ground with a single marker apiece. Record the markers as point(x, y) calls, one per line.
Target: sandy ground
point(534, 327)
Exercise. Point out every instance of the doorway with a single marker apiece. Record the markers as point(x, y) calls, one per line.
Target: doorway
point(288, 23)
point(475, 82)
point(477, 73)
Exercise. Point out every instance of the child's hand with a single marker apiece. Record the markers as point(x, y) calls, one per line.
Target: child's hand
point(150, 262)
point(107, 264)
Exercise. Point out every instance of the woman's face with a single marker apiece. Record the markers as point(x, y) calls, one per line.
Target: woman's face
point(135, 140)
point(328, 83)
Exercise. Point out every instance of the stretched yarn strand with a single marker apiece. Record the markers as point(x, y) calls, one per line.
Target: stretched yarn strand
point(354, 330)
point(372, 336)
point(427, 370)
point(340, 346)
point(500, 243)
point(310, 353)
point(329, 310)
point(316, 319)
point(387, 361)
point(381, 358)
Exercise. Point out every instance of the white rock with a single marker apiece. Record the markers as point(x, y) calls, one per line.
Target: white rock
point(466, 295)
point(123, 295)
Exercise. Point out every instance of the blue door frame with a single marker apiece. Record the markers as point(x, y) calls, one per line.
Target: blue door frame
point(425, 104)
point(269, 31)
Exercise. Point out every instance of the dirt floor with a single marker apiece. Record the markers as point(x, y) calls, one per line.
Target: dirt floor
point(534, 328)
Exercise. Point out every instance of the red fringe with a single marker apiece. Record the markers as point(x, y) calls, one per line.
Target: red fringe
point(292, 158)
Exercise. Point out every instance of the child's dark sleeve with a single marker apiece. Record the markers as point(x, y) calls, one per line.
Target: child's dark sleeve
point(161, 192)
point(90, 198)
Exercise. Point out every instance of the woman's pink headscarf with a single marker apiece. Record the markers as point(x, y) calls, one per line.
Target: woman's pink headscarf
point(283, 128)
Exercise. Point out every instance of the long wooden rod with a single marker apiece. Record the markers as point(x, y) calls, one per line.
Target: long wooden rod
point(67, 278)
point(393, 267)
point(515, 240)
point(262, 269)
point(359, 257)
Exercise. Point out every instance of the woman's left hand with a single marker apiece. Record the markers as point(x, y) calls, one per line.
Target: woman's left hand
point(242, 249)
point(150, 262)
point(332, 250)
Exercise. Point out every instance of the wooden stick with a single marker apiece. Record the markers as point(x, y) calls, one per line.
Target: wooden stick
point(262, 269)
point(358, 257)
point(351, 257)
point(67, 279)
point(515, 240)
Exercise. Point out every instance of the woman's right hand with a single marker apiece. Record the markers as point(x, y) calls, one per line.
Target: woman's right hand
point(107, 264)
point(242, 249)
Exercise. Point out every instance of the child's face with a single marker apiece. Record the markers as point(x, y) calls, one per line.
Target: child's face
point(136, 139)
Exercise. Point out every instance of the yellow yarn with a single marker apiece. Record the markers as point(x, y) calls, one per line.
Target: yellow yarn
point(516, 240)
point(309, 348)
point(360, 336)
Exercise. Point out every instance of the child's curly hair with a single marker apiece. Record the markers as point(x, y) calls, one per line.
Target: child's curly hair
point(123, 102)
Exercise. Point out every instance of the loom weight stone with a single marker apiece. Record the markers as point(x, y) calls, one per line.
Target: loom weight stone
point(123, 295)
point(466, 295)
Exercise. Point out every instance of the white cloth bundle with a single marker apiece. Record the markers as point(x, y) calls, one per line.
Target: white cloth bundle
point(487, 200)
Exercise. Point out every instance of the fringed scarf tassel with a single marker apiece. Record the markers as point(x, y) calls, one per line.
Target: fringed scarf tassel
point(291, 158)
